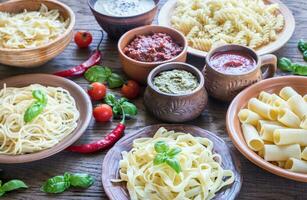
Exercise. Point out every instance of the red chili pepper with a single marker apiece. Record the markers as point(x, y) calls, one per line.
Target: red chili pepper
point(80, 69)
point(105, 143)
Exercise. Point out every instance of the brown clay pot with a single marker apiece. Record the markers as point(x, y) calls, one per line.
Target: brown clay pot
point(117, 26)
point(175, 107)
point(138, 70)
point(225, 87)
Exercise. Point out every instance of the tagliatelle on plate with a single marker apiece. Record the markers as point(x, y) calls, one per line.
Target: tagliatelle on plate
point(201, 177)
point(30, 28)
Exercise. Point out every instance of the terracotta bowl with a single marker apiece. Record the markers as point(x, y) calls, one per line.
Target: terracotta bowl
point(273, 85)
point(117, 26)
point(83, 103)
point(138, 70)
point(175, 107)
point(110, 166)
point(34, 57)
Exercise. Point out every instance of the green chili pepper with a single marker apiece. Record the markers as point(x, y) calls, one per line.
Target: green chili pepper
point(302, 45)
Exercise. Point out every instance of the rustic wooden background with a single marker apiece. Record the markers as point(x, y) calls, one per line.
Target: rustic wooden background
point(257, 183)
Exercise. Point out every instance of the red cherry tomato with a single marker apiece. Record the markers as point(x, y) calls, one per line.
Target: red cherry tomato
point(103, 113)
point(97, 91)
point(83, 39)
point(131, 89)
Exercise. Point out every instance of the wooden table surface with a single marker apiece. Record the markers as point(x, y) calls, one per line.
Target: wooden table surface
point(257, 183)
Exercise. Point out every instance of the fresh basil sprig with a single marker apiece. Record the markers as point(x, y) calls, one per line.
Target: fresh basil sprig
point(302, 46)
point(36, 107)
point(104, 75)
point(11, 185)
point(167, 155)
point(59, 184)
point(286, 64)
point(121, 106)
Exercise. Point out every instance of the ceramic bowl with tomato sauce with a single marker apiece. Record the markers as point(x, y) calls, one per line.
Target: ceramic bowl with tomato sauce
point(144, 48)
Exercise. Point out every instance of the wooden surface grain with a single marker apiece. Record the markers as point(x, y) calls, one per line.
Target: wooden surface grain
point(257, 183)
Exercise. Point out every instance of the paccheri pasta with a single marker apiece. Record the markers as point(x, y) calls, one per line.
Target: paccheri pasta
point(30, 28)
point(201, 173)
point(207, 23)
point(275, 126)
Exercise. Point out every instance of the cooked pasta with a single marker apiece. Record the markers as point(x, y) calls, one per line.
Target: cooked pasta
point(209, 23)
point(57, 120)
point(30, 28)
point(277, 126)
point(201, 177)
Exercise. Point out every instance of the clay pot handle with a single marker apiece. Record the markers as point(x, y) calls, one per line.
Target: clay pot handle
point(270, 61)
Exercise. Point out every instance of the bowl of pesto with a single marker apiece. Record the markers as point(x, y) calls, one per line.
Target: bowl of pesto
point(175, 92)
point(119, 16)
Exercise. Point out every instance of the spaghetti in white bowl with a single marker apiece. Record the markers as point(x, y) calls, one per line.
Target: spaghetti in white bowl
point(57, 120)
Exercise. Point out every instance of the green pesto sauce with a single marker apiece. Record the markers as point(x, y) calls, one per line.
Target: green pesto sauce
point(176, 82)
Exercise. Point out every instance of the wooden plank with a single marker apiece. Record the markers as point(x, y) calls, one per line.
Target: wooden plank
point(257, 183)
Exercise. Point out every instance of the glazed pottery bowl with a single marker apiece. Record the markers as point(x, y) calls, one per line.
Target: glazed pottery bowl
point(116, 26)
point(83, 104)
point(138, 70)
point(36, 56)
point(224, 86)
point(175, 107)
point(272, 85)
point(110, 166)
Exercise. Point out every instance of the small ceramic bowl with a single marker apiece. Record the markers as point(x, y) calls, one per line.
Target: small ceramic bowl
point(175, 107)
point(272, 85)
point(83, 104)
point(138, 70)
point(225, 87)
point(116, 26)
point(37, 56)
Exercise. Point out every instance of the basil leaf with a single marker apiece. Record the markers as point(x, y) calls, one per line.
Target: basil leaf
point(81, 180)
point(39, 96)
point(129, 108)
point(122, 100)
point(305, 55)
point(57, 184)
point(117, 109)
point(161, 147)
point(299, 69)
point(115, 81)
point(174, 164)
point(98, 74)
point(1, 193)
point(33, 111)
point(285, 64)
point(302, 45)
point(173, 152)
point(110, 99)
point(159, 159)
point(13, 185)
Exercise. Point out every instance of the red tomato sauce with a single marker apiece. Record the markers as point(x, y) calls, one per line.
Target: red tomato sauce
point(232, 62)
point(152, 48)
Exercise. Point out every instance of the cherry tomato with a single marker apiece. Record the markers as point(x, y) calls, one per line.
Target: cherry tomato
point(103, 113)
point(131, 89)
point(97, 91)
point(83, 39)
